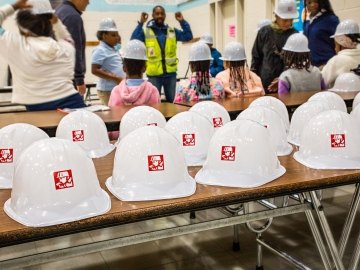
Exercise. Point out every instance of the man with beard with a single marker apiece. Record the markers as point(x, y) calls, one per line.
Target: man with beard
point(160, 41)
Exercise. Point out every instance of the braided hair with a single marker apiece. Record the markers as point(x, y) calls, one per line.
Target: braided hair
point(202, 76)
point(238, 80)
point(297, 60)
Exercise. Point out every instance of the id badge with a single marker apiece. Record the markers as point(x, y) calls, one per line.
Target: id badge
point(151, 51)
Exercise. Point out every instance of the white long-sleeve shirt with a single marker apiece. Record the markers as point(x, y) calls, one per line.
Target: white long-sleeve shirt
point(42, 67)
point(342, 62)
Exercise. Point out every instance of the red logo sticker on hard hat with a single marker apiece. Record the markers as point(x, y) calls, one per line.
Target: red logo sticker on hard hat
point(152, 124)
point(228, 153)
point(156, 163)
point(188, 139)
point(6, 155)
point(217, 122)
point(337, 140)
point(63, 179)
point(78, 135)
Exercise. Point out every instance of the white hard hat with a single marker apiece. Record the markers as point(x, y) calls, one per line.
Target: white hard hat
point(346, 27)
point(14, 139)
point(302, 116)
point(107, 24)
point(135, 49)
point(150, 165)
point(54, 183)
point(40, 7)
point(330, 141)
point(194, 132)
point(207, 38)
point(213, 111)
point(286, 9)
point(346, 82)
point(138, 117)
point(273, 122)
point(356, 113)
point(87, 130)
point(199, 51)
point(356, 101)
point(297, 43)
point(234, 51)
point(240, 155)
point(263, 23)
point(276, 105)
point(334, 101)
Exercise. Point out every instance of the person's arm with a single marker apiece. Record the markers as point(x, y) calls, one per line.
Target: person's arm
point(104, 74)
point(257, 55)
point(60, 31)
point(283, 85)
point(185, 34)
point(7, 10)
point(138, 33)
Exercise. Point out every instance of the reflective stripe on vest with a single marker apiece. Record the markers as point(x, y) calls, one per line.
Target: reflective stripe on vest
point(156, 63)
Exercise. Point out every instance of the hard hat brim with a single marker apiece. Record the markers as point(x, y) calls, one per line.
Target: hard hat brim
point(98, 153)
point(96, 205)
point(294, 141)
point(287, 16)
point(228, 59)
point(235, 178)
point(5, 183)
point(328, 162)
point(284, 150)
point(146, 193)
point(342, 90)
point(192, 160)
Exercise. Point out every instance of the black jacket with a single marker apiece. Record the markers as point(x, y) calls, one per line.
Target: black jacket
point(266, 61)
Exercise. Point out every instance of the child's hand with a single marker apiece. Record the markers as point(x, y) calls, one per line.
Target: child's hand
point(21, 4)
point(178, 16)
point(144, 17)
point(273, 87)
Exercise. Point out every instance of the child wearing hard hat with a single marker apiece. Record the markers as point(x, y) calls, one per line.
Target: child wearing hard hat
point(134, 90)
point(41, 57)
point(200, 85)
point(216, 65)
point(106, 60)
point(266, 59)
point(237, 79)
point(347, 40)
point(299, 75)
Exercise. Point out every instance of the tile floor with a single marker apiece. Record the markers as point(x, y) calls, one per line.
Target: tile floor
point(205, 250)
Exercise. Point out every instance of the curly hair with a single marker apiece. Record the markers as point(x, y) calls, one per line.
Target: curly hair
point(37, 24)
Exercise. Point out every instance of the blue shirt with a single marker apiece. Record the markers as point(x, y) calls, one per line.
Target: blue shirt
point(134, 82)
point(217, 64)
point(109, 60)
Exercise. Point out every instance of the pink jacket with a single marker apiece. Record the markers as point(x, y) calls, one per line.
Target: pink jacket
point(255, 87)
point(144, 94)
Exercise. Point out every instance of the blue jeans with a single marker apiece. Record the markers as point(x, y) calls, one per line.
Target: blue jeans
point(72, 102)
point(166, 81)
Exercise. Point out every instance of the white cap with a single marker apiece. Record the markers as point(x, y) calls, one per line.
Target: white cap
point(297, 43)
point(356, 101)
point(213, 111)
point(276, 105)
point(150, 165)
point(346, 27)
point(14, 139)
point(334, 101)
point(199, 51)
point(330, 141)
point(54, 183)
point(273, 122)
point(286, 9)
point(302, 116)
point(135, 49)
point(346, 82)
point(234, 51)
point(240, 155)
point(263, 23)
point(41, 7)
point(194, 132)
point(140, 116)
point(87, 130)
point(207, 38)
point(107, 24)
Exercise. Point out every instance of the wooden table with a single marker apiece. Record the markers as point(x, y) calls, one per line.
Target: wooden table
point(297, 179)
point(292, 100)
point(49, 120)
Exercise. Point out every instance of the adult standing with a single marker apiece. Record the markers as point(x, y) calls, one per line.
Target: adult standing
point(160, 41)
point(318, 28)
point(266, 52)
point(70, 15)
point(217, 65)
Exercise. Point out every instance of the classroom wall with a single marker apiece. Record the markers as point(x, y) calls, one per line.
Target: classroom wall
point(199, 13)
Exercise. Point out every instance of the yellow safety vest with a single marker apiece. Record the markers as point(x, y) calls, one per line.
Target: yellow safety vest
point(157, 64)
